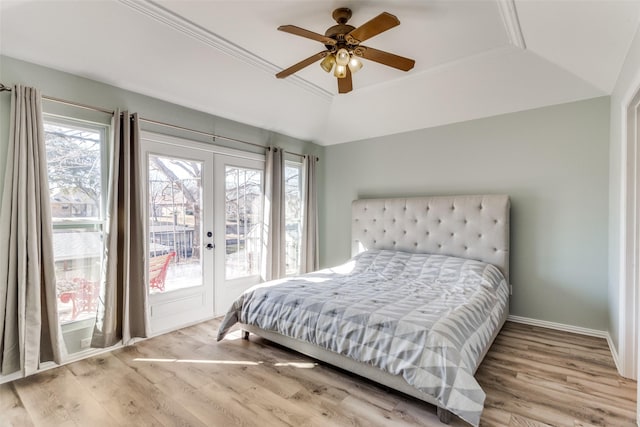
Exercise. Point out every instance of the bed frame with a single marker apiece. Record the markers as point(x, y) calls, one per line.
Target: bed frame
point(474, 227)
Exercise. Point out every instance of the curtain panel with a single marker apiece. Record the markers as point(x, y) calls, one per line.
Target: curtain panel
point(274, 261)
point(309, 256)
point(123, 303)
point(29, 329)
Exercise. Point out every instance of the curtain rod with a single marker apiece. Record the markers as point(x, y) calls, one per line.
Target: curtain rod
point(4, 88)
point(212, 135)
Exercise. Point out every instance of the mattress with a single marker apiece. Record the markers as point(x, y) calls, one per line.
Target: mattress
point(427, 318)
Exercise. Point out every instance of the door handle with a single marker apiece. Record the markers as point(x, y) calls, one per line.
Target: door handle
point(210, 246)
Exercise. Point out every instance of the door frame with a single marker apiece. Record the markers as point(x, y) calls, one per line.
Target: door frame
point(221, 156)
point(629, 283)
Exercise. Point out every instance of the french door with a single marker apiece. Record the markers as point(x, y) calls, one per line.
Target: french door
point(204, 228)
point(239, 183)
point(180, 219)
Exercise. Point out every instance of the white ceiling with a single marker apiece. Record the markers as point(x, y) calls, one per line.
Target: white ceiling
point(474, 58)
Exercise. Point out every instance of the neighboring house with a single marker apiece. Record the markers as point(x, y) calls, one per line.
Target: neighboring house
point(73, 205)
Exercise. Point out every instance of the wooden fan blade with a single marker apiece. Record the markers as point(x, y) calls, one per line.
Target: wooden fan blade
point(300, 65)
point(292, 29)
point(385, 58)
point(345, 84)
point(375, 26)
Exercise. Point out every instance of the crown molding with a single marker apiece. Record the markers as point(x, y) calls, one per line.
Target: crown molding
point(179, 23)
point(511, 22)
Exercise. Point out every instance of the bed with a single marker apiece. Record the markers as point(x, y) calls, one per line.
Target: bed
point(416, 308)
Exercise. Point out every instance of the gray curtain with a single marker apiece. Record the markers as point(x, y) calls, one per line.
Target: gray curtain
point(309, 259)
point(29, 328)
point(123, 304)
point(274, 264)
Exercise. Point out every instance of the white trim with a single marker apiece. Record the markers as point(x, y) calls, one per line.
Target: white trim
point(511, 22)
point(570, 328)
point(614, 352)
point(177, 22)
point(558, 326)
point(136, 340)
point(11, 377)
point(629, 238)
point(185, 142)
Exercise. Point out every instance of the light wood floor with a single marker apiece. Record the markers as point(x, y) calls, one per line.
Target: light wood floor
point(532, 377)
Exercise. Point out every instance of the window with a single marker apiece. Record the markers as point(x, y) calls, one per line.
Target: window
point(76, 154)
point(293, 216)
point(243, 221)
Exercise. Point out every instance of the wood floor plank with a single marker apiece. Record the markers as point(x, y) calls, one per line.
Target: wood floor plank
point(208, 411)
point(40, 397)
point(13, 413)
point(533, 377)
point(520, 421)
point(129, 395)
point(600, 389)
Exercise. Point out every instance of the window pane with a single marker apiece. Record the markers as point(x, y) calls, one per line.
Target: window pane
point(77, 258)
point(243, 215)
point(74, 165)
point(175, 200)
point(74, 168)
point(293, 215)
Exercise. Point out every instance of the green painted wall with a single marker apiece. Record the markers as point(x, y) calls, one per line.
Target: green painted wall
point(552, 161)
point(70, 87)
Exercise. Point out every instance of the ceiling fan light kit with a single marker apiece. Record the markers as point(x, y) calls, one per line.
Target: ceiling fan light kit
point(340, 71)
point(343, 49)
point(328, 62)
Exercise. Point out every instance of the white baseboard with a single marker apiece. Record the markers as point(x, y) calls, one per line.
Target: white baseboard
point(11, 377)
point(559, 326)
point(570, 328)
point(614, 354)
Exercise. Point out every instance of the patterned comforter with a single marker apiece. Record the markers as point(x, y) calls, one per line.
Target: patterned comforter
point(428, 318)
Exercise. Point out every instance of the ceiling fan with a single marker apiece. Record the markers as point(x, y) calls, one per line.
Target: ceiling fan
point(343, 48)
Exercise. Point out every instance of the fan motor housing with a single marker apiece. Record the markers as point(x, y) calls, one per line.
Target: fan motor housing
point(337, 32)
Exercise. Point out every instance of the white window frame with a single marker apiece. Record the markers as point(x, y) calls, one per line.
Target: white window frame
point(298, 165)
point(98, 223)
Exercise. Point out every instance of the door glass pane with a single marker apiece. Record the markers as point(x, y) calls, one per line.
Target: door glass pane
point(175, 234)
point(243, 216)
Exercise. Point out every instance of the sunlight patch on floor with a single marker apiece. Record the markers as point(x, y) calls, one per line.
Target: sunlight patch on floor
point(300, 365)
point(203, 361)
point(234, 335)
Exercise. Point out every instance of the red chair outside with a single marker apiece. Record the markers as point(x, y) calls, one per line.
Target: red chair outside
point(158, 266)
point(83, 295)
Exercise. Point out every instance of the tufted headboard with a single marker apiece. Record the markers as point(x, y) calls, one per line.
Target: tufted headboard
point(475, 227)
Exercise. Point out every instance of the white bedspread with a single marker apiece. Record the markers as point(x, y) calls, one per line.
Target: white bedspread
point(427, 318)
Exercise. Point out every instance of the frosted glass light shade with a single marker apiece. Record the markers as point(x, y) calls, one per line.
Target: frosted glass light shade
point(354, 64)
point(328, 62)
point(340, 71)
point(342, 56)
